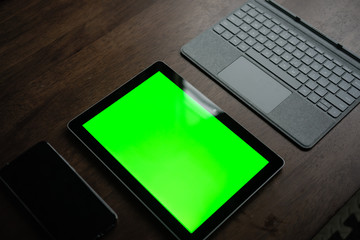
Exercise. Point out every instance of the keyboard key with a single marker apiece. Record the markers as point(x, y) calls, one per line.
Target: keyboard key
point(311, 52)
point(259, 10)
point(245, 8)
point(293, 72)
point(229, 26)
point(219, 29)
point(326, 103)
point(253, 13)
point(253, 33)
point(242, 35)
point(264, 30)
point(354, 92)
point(339, 71)
point(275, 59)
point(304, 69)
point(347, 69)
point(250, 41)
point(276, 29)
point(248, 19)
point(325, 72)
point(314, 75)
point(285, 35)
point(272, 36)
point(287, 56)
point(332, 88)
point(345, 97)
point(269, 24)
point(319, 50)
point(311, 84)
point(284, 65)
point(260, 18)
point(235, 20)
point(261, 38)
point(336, 102)
point(293, 40)
point(337, 63)
point(298, 54)
point(328, 56)
point(275, 21)
point(295, 62)
point(243, 46)
point(356, 75)
point(281, 42)
point(322, 106)
point(334, 79)
point(344, 85)
point(245, 27)
point(292, 83)
point(284, 27)
point(316, 66)
point(323, 81)
point(356, 83)
point(320, 91)
point(235, 41)
point(270, 44)
point(313, 97)
point(329, 65)
point(310, 44)
point(256, 25)
point(290, 48)
point(292, 32)
point(267, 53)
point(259, 47)
point(334, 112)
point(268, 15)
point(320, 58)
point(278, 50)
point(348, 77)
point(307, 60)
point(227, 35)
point(304, 91)
point(302, 78)
point(302, 46)
point(240, 14)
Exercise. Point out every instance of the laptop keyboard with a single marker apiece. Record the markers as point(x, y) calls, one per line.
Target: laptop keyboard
point(314, 73)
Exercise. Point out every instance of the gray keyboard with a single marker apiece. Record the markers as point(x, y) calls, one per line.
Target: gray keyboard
point(321, 78)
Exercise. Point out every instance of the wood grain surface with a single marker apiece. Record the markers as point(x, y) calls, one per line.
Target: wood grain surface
point(57, 58)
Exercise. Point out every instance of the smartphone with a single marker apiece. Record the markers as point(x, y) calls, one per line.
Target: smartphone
point(56, 196)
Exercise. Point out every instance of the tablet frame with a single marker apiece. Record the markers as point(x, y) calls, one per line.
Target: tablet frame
point(226, 210)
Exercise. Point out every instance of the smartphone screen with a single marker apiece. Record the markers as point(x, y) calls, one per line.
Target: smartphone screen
point(56, 196)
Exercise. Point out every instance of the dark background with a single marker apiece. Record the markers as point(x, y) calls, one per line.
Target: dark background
point(57, 58)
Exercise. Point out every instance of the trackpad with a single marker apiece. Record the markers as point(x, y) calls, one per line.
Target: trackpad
point(253, 84)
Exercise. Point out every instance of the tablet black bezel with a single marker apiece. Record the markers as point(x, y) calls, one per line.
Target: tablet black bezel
point(274, 165)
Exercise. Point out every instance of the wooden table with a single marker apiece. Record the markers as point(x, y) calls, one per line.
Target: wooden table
point(57, 58)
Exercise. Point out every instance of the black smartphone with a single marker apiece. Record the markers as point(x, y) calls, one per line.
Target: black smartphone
point(56, 196)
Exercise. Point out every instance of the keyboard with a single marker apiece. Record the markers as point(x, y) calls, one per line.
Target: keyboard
point(320, 77)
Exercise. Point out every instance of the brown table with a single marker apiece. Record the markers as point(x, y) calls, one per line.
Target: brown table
point(57, 58)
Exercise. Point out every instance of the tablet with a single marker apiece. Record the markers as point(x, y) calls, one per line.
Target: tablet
point(184, 158)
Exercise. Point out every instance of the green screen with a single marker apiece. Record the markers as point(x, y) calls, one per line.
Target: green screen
point(185, 157)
